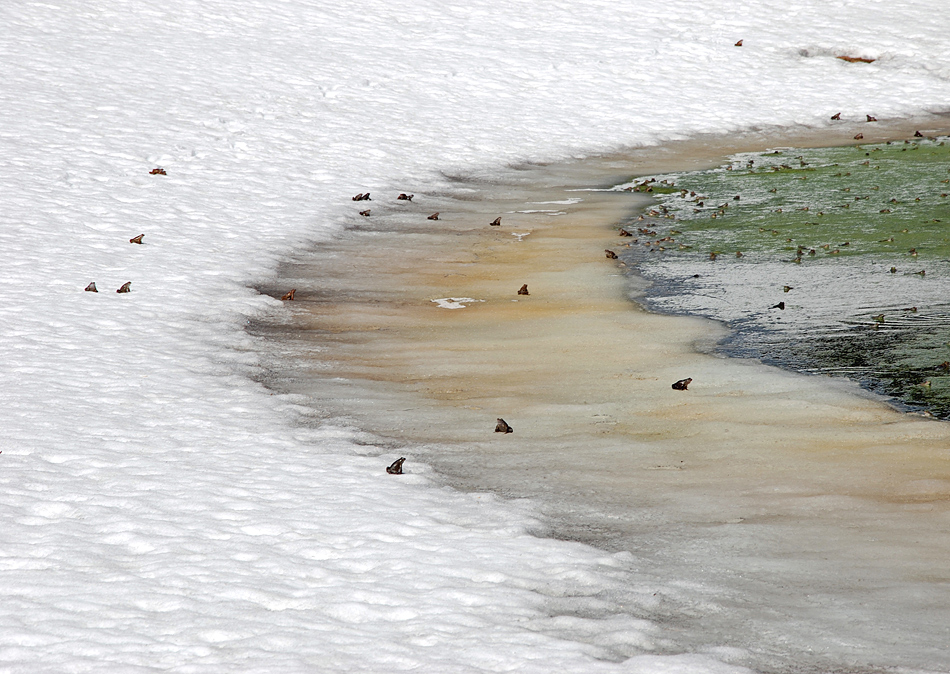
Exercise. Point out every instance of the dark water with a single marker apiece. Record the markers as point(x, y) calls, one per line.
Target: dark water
point(829, 261)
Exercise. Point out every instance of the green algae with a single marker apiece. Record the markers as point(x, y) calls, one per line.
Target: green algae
point(888, 200)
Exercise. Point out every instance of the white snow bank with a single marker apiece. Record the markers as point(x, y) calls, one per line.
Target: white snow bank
point(162, 512)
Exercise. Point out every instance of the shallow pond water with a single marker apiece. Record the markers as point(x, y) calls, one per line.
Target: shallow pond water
point(824, 260)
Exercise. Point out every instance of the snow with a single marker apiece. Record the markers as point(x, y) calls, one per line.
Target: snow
point(164, 512)
point(454, 302)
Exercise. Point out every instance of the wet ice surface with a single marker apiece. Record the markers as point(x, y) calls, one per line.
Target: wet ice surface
point(163, 511)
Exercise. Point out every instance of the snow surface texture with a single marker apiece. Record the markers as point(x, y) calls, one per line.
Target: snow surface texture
point(161, 511)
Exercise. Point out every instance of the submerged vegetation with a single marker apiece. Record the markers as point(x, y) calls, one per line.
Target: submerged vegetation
point(887, 200)
point(862, 211)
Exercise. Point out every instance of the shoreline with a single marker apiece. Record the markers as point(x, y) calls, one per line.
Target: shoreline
point(611, 453)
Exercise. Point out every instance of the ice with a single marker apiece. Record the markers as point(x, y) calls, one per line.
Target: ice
point(163, 511)
point(454, 302)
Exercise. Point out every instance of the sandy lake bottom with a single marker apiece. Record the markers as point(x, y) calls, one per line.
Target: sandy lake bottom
point(787, 522)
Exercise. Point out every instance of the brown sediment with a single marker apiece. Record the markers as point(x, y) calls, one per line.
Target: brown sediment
point(584, 374)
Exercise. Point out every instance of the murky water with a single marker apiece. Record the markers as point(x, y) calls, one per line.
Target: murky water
point(785, 522)
point(868, 227)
